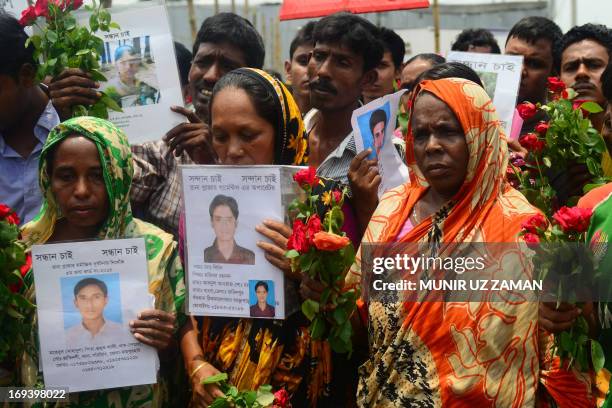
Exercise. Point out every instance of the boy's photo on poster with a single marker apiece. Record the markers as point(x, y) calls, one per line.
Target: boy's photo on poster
point(224, 213)
point(261, 298)
point(129, 67)
point(92, 309)
point(373, 126)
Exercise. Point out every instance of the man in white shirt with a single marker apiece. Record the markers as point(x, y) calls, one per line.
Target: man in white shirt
point(90, 298)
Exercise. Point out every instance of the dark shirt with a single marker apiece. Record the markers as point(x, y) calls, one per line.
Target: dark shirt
point(257, 312)
point(240, 255)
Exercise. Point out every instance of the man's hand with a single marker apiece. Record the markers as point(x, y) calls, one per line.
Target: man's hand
point(278, 233)
point(70, 88)
point(192, 137)
point(154, 328)
point(364, 180)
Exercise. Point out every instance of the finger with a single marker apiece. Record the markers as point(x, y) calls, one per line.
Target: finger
point(272, 249)
point(555, 327)
point(157, 344)
point(375, 182)
point(358, 159)
point(74, 82)
point(279, 239)
point(157, 314)
point(281, 263)
point(563, 306)
point(74, 91)
point(182, 128)
point(189, 114)
point(307, 293)
point(154, 334)
point(69, 72)
point(188, 132)
point(71, 101)
point(145, 325)
point(279, 227)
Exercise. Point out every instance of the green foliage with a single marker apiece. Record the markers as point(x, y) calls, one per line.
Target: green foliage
point(261, 398)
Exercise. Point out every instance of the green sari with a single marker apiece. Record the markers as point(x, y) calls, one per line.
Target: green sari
point(166, 277)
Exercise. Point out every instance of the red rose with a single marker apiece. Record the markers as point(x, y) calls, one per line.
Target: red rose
point(531, 142)
point(13, 219)
point(531, 239)
point(533, 223)
point(542, 128)
point(307, 177)
point(312, 227)
point(555, 84)
point(298, 239)
point(8, 215)
point(27, 16)
point(42, 8)
point(5, 210)
point(281, 398)
point(565, 94)
point(27, 265)
point(577, 104)
point(337, 196)
point(574, 219)
point(526, 110)
point(325, 241)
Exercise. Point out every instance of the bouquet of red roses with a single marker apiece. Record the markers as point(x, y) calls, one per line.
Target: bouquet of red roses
point(14, 264)
point(561, 257)
point(64, 43)
point(568, 138)
point(234, 398)
point(318, 248)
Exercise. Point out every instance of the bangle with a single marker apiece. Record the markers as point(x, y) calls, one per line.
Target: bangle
point(197, 369)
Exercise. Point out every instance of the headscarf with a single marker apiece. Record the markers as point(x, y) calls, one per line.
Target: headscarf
point(290, 145)
point(166, 280)
point(459, 353)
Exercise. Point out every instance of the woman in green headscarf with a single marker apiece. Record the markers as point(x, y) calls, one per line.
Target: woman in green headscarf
point(85, 174)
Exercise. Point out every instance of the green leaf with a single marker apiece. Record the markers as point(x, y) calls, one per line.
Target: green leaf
point(597, 356)
point(340, 315)
point(250, 397)
point(546, 161)
point(51, 36)
point(14, 313)
point(317, 328)
point(83, 52)
point(233, 392)
point(214, 379)
point(265, 399)
point(97, 75)
point(292, 253)
point(114, 26)
point(220, 402)
point(310, 308)
point(110, 103)
point(591, 107)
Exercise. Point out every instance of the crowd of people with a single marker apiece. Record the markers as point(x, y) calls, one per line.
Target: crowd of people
point(79, 178)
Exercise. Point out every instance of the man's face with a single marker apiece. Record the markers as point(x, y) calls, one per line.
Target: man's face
point(210, 63)
point(537, 67)
point(387, 75)
point(297, 70)
point(582, 64)
point(336, 77)
point(91, 302)
point(224, 223)
point(262, 294)
point(127, 65)
point(411, 72)
point(379, 134)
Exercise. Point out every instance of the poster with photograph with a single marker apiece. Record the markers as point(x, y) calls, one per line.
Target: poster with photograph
point(227, 273)
point(87, 293)
point(501, 77)
point(373, 126)
point(139, 62)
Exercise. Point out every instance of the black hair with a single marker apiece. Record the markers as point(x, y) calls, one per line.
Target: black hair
point(606, 83)
point(220, 200)
point(89, 282)
point(303, 37)
point(450, 70)
point(183, 61)
point(12, 46)
point(262, 283)
point(534, 28)
point(378, 116)
point(354, 32)
point(596, 32)
point(435, 59)
point(274, 74)
point(394, 44)
point(265, 102)
point(478, 37)
point(235, 30)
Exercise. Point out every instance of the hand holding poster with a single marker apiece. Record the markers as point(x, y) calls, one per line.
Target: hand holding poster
point(373, 127)
point(501, 77)
point(87, 293)
point(227, 273)
point(139, 62)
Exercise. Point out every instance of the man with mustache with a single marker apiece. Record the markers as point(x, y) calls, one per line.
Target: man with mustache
point(347, 50)
point(296, 67)
point(224, 42)
point(535, 38)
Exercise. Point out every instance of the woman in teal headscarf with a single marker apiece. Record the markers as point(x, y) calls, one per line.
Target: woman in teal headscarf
point(85, 174)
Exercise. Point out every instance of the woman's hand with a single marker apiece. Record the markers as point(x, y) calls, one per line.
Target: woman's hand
point(311, 289)
point(154, 328)
point(192, 137)
point(203, 395)
point(555, 320)
point(278, 233)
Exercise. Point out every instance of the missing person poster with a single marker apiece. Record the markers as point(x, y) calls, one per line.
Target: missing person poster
point(139, 62)
point(501, 77)
point(87, 293)
point(373, 127)
point(227, 273)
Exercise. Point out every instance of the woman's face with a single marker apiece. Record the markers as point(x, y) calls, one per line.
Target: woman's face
point(239, 134)
point(439, 145)
point(77, 182)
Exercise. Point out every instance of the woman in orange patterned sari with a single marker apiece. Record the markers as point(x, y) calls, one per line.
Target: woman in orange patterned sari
point(455, 354)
